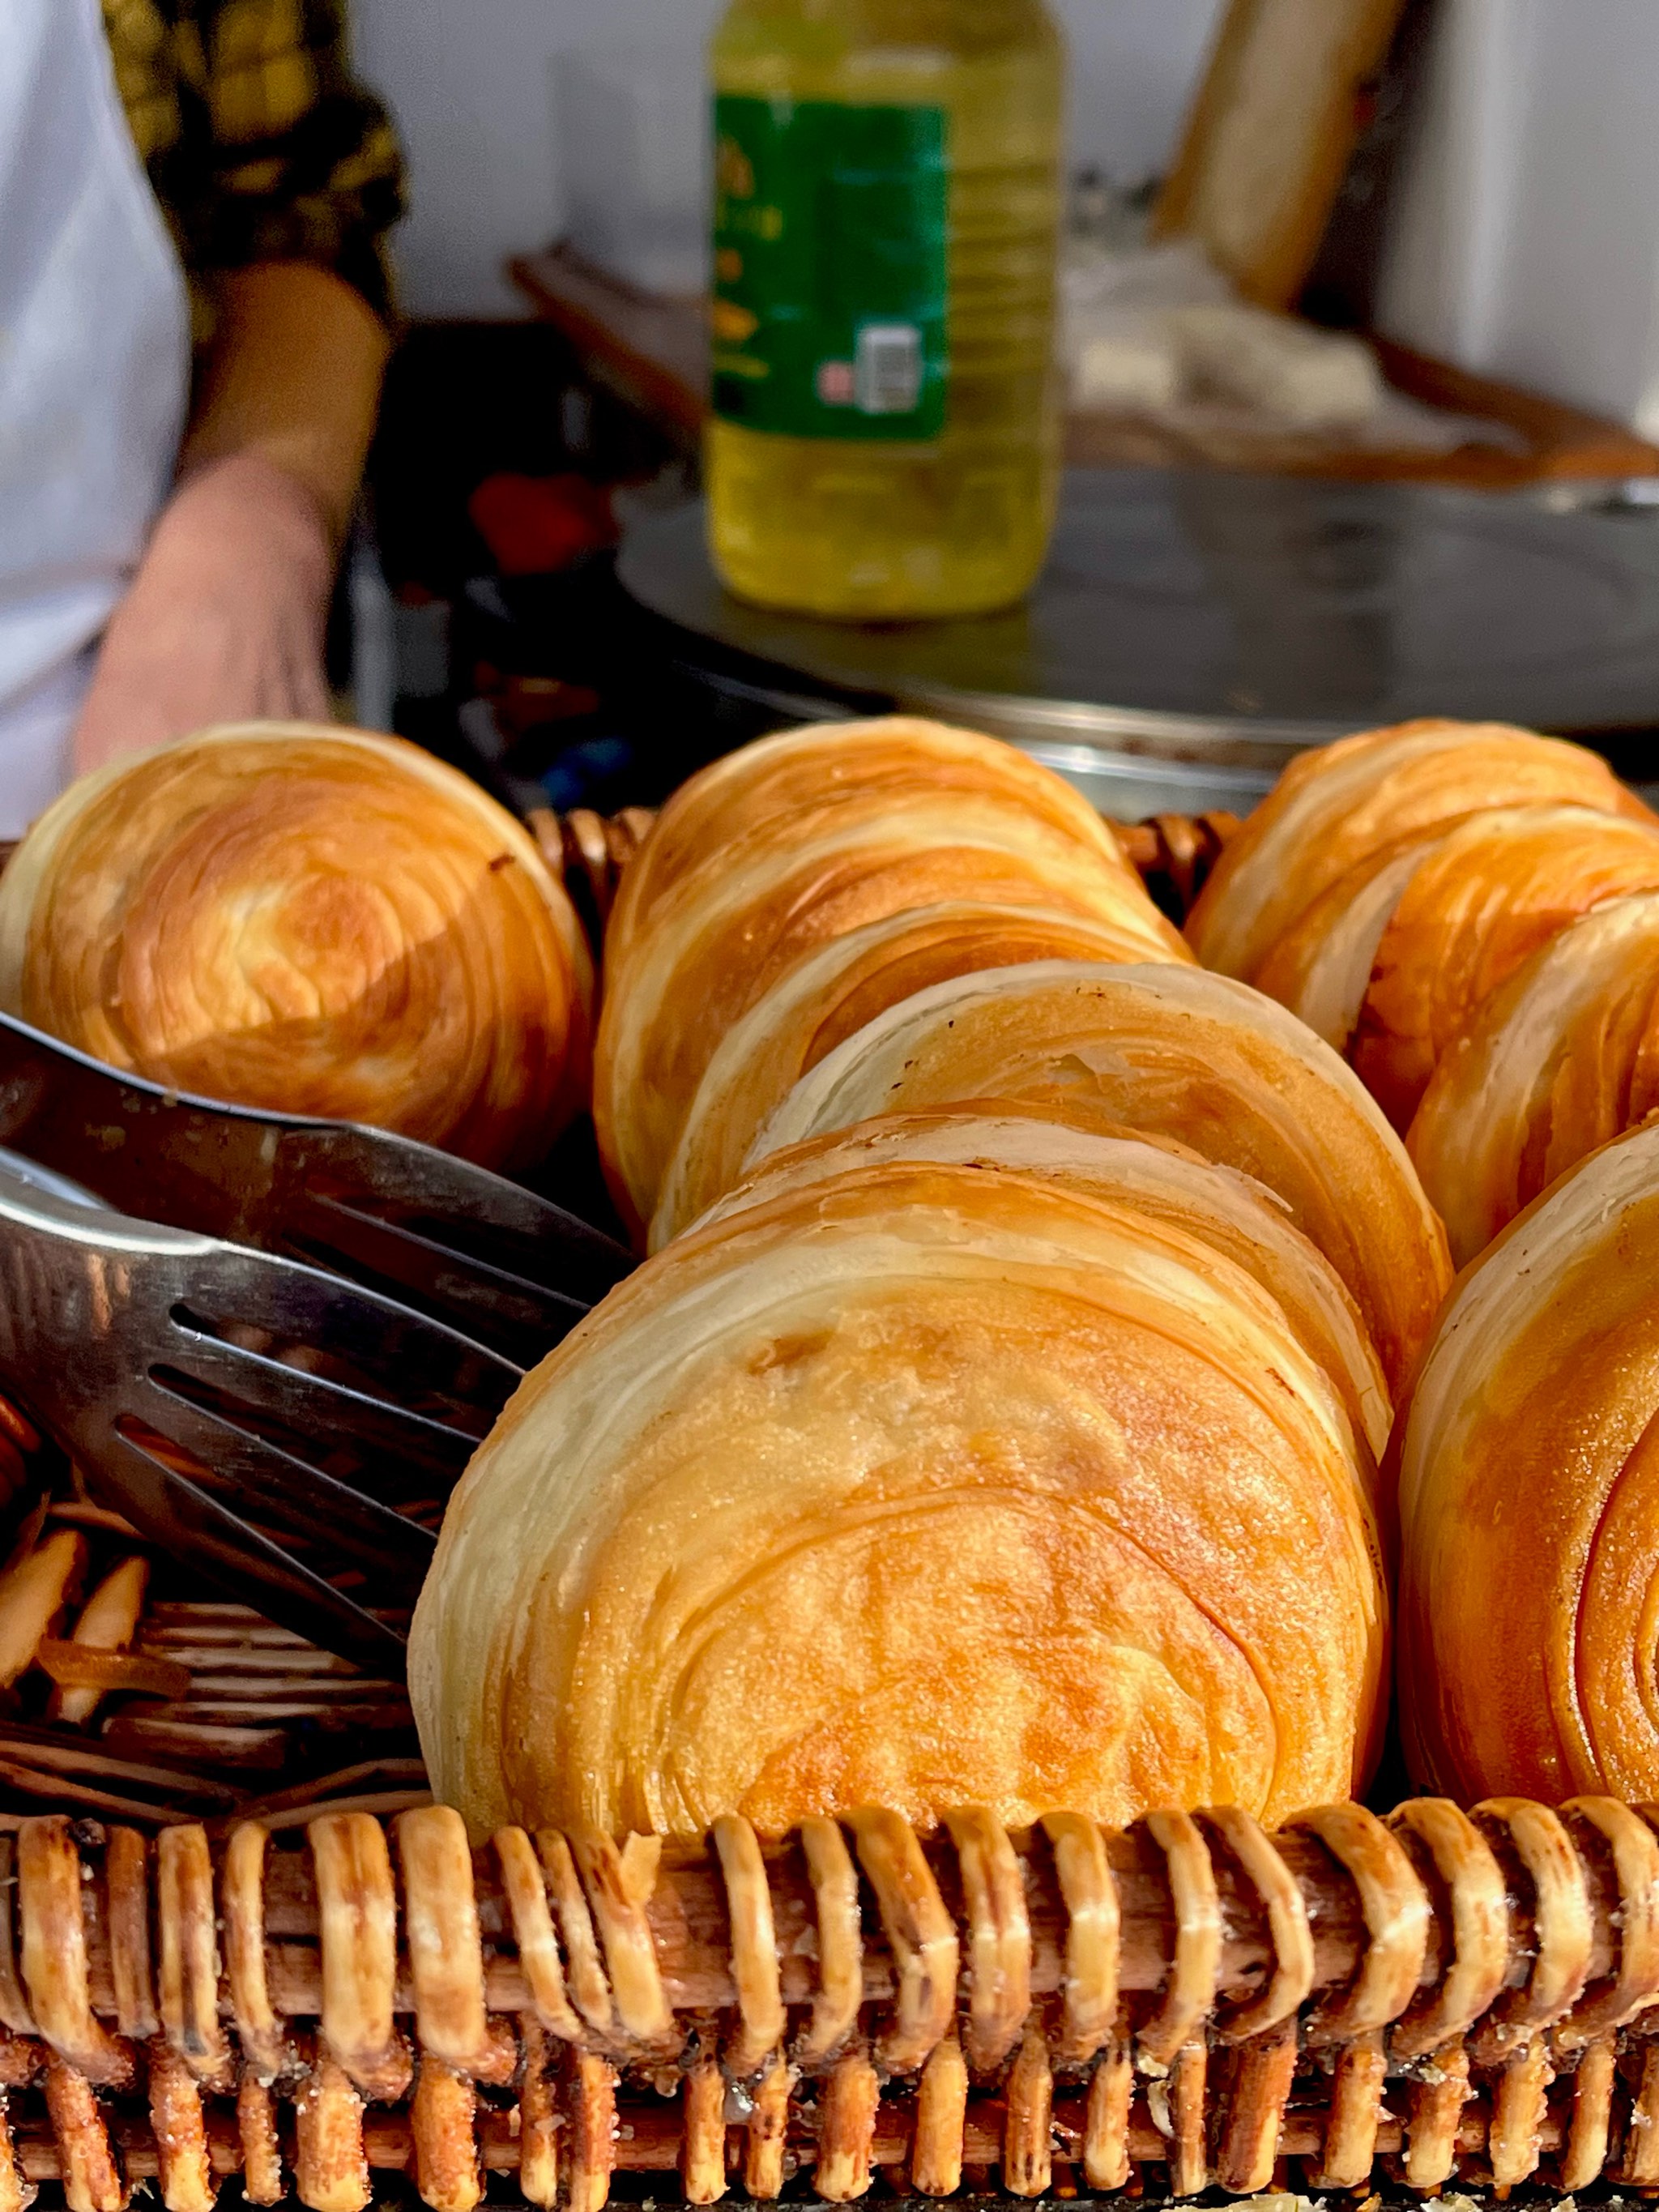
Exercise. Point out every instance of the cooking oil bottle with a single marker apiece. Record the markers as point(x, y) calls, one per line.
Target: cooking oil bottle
point(885, 440)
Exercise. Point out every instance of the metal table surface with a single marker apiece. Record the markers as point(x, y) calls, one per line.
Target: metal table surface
point(1192, 630)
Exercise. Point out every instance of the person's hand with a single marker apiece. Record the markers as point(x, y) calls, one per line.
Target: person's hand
point(225, 619)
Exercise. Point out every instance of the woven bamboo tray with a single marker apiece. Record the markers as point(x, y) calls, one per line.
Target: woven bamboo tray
point(1432, 1999)
point(127, 1694)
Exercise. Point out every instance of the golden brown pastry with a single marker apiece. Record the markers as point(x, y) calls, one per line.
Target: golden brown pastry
point(1231, 1212)
point(1529, 1496)
point(1335, 807)
point(1560, 1060)
point(768, 855)
point(922, 1485)
point(1438, 934)
point(312, 921)
point(825, 998)
point(1175, 1052)
point(1320, 967)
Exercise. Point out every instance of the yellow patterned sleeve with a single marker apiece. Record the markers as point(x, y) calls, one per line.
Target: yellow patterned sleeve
point(261, 142)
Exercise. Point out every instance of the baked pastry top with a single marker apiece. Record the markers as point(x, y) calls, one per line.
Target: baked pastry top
point(1229, 1211)
point(923, 1485)
point(1560, 1059)
point(834, 993)
point(1465, 912)
point(1464, 909)
point(311, 921)
point(1172, 1052)
point(1338, 805)
point(1529, 1501)
point(771, 854)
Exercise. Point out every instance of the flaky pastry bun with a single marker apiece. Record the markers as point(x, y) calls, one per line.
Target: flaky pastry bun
point(826, 997)
point(770, 855)
point(1176, 1053)
point(921, 1487)
point(1337, 805)
point(1399, 954)
point(1232, 1214)
point(1560, 1060)
point(312, 921)
point(1530, 1499)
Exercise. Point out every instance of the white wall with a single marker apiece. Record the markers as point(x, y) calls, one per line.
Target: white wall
point(470, 82)
point(1134, 64)
point(1525, 244)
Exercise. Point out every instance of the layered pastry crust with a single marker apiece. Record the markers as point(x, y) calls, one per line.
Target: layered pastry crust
point(1394, 961)
point(1530, 1500)
point(1175, 1052)
point(1231, 1212)
point(1335, 807)
point(768, 856)
point(1466, 913)
point(828, 998)
point(1561, 1059)
point(311, 921)
point(923, 1485)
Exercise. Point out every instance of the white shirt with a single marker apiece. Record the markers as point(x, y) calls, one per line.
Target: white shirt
point(94, 379)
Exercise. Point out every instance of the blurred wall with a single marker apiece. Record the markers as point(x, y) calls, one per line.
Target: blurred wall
point(1525, 240)
point(471, 82)
point(1134, 65)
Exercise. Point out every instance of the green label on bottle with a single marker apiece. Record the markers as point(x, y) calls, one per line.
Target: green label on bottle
point(831, 282)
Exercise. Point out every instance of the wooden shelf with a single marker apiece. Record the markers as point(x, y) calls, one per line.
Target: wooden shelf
point(653, 353)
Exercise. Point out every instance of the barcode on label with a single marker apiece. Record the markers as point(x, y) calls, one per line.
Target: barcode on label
point(888, 369)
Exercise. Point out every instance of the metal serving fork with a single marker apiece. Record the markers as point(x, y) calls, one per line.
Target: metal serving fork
point(290, 1436)
point(468, 1247)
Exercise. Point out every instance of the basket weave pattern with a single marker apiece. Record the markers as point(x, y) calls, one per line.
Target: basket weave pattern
point(1441, 1995)
point(1174, 854)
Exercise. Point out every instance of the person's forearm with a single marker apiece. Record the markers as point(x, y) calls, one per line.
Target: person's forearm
point(292, 378)
point(225, 619)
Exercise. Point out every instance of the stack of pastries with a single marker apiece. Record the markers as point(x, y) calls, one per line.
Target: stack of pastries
point(1473, 917)
point(1025, 1314)
point(796, 843)
point(1470, 915)
point(1045, 1368)
point(311, 921)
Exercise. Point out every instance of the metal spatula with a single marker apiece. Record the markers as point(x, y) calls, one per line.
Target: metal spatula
point(290, 1436)
point(471, 1249)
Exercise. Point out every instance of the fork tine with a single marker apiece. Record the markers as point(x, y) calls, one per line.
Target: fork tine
point(386, 1343)
point(315, 1405)
point(512, 1315)
point(288, 1490)
point(195, 1529)
point(476, 1215)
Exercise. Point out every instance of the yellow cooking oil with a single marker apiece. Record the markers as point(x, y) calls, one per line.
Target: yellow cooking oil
point(885, 440)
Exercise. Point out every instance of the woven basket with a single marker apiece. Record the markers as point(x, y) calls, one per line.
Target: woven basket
point(1431, 1999)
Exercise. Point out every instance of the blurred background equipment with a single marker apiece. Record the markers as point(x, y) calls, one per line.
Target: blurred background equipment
point(1356, 350)
point(1194, 630)
point(635, 157)
point(1521, 236)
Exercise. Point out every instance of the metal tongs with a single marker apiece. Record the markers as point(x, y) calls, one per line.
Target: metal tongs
point(467, 1247)
point(292, 1435)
